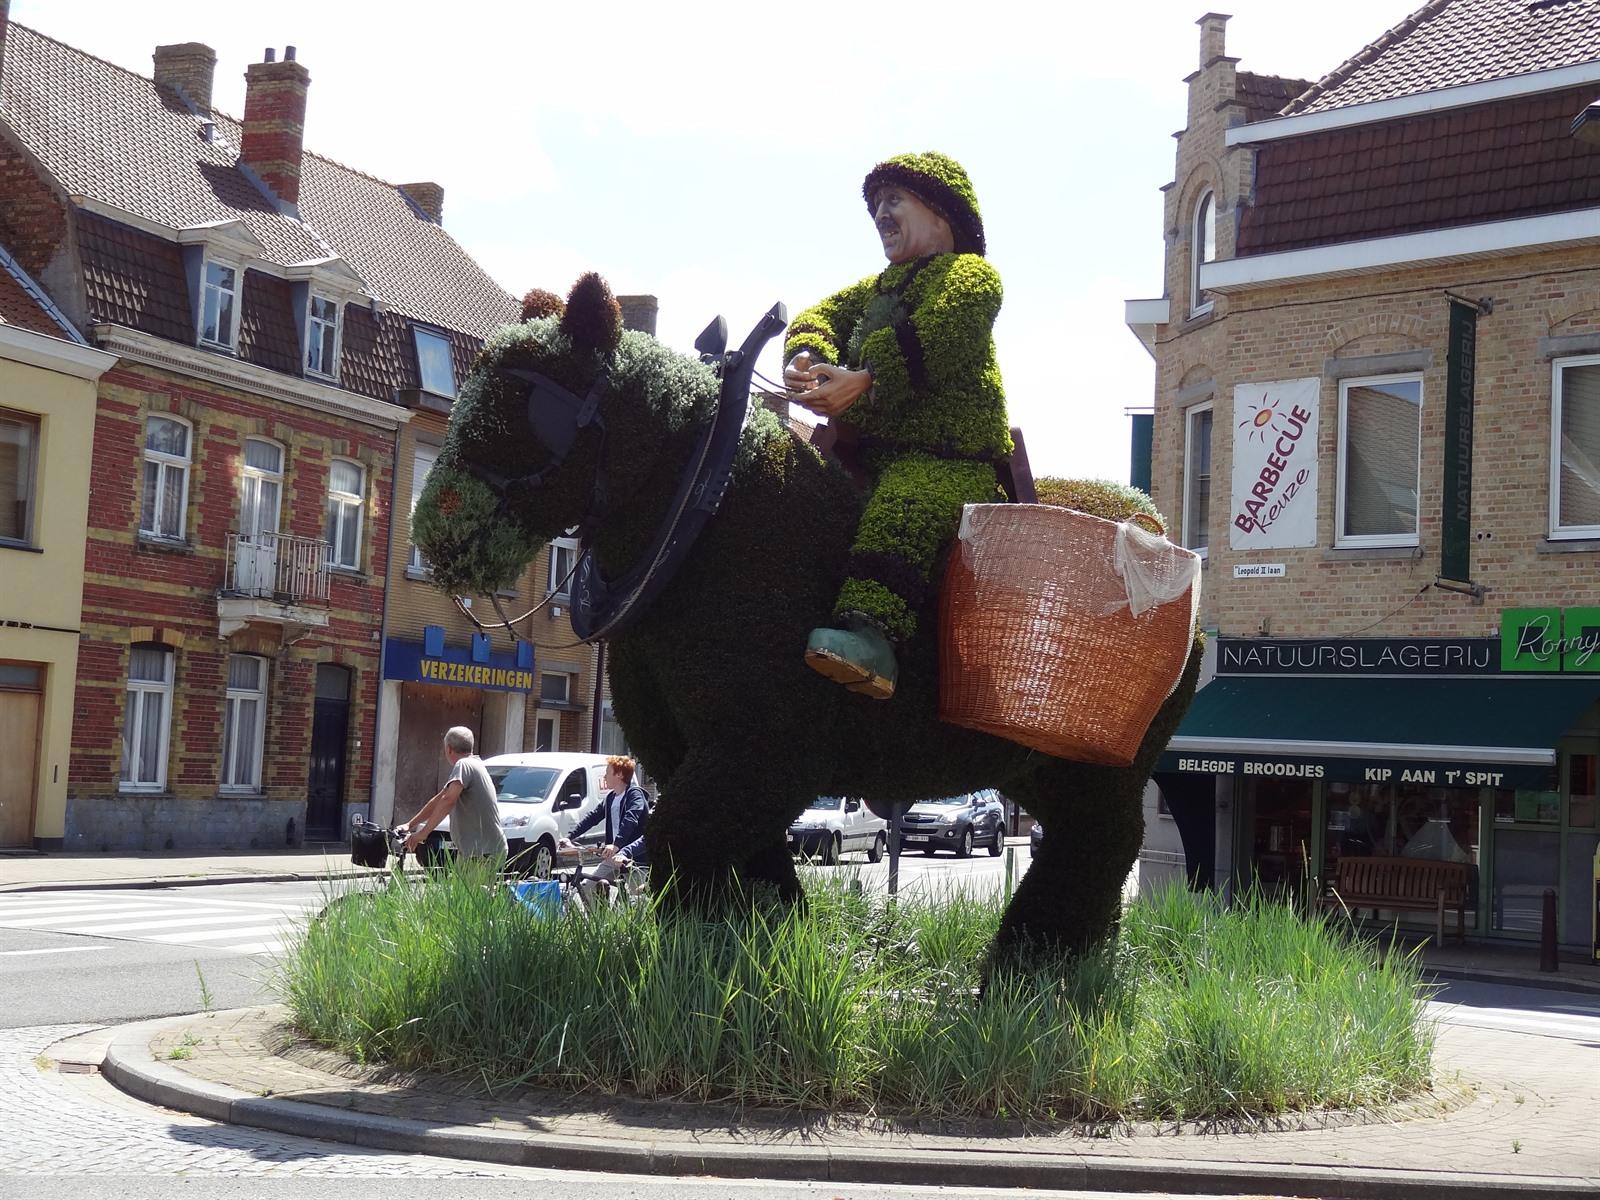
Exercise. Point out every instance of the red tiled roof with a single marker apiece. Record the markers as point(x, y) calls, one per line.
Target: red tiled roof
point(1448, 43)
point(1264, 96)
point(19, 307)
point(133, 279)
point(1489, 162)
point(115, 136)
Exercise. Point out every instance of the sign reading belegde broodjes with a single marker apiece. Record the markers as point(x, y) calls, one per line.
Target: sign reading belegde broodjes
point(1274, 464)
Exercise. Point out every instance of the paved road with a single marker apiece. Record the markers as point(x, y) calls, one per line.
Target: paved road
point(1573, 1016)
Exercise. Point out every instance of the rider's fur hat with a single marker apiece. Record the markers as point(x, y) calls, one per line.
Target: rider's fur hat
point(939, 182)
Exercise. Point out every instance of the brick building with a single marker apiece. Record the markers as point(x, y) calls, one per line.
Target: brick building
point(289, 335)
point(1377, 414)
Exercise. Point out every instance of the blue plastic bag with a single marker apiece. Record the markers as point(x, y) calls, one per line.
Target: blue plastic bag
point(541, 896)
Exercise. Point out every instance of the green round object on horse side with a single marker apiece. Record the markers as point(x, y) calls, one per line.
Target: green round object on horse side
point(709, 684)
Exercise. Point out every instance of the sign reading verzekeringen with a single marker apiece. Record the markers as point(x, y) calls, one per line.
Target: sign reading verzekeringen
point(1274, 465)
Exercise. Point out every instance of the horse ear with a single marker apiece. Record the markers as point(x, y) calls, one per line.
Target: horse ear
point(593, 319)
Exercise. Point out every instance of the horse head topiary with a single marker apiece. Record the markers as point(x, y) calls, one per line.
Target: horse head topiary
point(709, 683)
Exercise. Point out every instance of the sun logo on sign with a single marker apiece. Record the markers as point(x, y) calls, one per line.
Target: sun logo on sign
point(1259, 419)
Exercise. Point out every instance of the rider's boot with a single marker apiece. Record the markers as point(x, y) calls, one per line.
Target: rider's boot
point(859, 656)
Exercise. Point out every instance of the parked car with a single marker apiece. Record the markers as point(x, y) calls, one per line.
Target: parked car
point(832, 825)
point(541, 797)
point(955, 823)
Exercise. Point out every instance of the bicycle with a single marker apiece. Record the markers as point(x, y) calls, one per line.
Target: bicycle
point(627, 886)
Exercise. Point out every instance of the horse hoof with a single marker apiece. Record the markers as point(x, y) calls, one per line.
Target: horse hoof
point(860, 662)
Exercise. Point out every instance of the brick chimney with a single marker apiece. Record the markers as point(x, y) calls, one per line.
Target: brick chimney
point(189, 68)
point(1213, 34)
point(639, 313)
point(429, 197)
point(275, 122)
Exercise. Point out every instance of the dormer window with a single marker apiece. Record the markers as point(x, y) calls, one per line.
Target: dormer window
point(435, 367)
point(1202, 249)
point(219, 305)
point(322, 337)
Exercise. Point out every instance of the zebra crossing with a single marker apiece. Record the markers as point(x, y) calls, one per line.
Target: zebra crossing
point(188, 917)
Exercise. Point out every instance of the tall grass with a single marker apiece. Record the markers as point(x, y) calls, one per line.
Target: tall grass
point(1195, 1011)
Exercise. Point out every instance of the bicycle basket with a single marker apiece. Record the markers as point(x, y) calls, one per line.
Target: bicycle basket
point(369, 847)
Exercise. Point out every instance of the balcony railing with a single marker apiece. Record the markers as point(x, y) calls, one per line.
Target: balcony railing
point(278, 567)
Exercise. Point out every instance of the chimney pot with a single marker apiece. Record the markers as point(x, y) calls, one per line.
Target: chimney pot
point(288, 54)
point(271, 55)
point(639, 313)
point(188, 67)
point(274, 125)
point(429, 197)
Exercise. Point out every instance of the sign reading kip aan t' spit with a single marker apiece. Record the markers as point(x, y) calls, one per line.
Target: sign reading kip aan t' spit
point(1274, 464)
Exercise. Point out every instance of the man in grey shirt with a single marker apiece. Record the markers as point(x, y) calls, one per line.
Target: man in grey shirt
point(468, 799)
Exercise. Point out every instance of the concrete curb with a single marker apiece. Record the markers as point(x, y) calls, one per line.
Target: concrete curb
point(1553, 981)
point(120, 885)
point(130, 1066)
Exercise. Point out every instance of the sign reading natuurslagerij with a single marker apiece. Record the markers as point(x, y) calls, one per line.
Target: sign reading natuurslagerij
point(1274, 465)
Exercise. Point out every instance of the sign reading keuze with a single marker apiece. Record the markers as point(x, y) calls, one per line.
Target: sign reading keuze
point(1274, 465)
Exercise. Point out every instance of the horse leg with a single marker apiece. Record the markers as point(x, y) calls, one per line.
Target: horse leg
point(1093, 818)
point(720, 830)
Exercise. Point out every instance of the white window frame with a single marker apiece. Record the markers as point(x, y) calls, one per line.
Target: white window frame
point(328, 370)
point(261, 474)
point(1342, 540)
point(418, 333)
point(1558, 531)
point(344, 507)
point(565, 697)
point(1189, 531)
point(134, 692)
point(164, 463)
point(1199, 302)
point(230, 730)
point(28, 469)
point(557, 584)
point(231, 339)
point(419, 479)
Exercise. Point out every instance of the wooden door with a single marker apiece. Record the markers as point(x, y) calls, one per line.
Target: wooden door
point(19, 765)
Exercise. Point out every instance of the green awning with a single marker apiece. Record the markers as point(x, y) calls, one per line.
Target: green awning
point(1509, 722)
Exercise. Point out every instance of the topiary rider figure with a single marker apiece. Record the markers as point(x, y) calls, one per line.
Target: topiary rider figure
point(905, 362)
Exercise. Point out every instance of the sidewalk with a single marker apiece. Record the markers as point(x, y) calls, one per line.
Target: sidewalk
point(1513, 1112)
point(172, 868)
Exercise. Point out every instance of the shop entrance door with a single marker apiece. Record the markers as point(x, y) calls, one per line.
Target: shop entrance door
point(330, 733)
point(1277, 816)
point(19, 765)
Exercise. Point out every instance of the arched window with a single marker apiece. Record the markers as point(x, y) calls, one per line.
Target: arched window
point(1202, 249)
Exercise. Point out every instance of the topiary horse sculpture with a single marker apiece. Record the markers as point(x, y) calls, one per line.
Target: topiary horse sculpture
point(709, 683)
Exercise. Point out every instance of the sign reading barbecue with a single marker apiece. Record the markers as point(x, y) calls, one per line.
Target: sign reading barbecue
point(1274, 464)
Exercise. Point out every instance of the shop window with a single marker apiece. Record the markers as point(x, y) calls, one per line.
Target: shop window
point(346, 488)
point(165, 499)
point(19, 443)
point(1575, 448)
point(1526, 806)
point(1380, 442)
point(148, 718)
point(244, 722)
point(1582, 789)
point(1202, 249)
point(1197, 478)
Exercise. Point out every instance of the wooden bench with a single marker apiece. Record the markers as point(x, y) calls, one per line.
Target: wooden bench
point(1410, 884)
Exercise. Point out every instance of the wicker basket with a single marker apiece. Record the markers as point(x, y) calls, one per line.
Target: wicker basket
point(1037, 642)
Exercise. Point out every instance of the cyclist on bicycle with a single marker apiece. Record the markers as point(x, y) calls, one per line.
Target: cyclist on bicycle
point(624, 810)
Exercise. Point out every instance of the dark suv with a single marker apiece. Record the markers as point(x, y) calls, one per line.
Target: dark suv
point(955, 823)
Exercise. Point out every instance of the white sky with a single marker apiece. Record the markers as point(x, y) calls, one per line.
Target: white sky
point(712, 153)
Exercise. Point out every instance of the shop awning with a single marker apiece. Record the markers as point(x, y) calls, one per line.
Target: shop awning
point(1508, 722)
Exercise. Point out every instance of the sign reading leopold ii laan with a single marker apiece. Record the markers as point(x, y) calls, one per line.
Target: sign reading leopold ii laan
point(1274, 465)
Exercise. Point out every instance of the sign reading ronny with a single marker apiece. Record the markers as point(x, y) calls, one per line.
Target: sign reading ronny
point(1274, 465)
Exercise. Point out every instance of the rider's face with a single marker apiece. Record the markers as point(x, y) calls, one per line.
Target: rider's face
point(909, 228)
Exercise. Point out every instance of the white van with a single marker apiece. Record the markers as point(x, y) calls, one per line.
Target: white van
point(541, 797)
point(832, 825)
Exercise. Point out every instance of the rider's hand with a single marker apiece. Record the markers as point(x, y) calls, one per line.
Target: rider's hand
point(837, 390)
point(564, 844)
point(608, 852)
point(413, 840)
point(798, 375)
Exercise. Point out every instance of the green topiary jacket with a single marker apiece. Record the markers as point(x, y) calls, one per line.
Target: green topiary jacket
point(924, 328)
